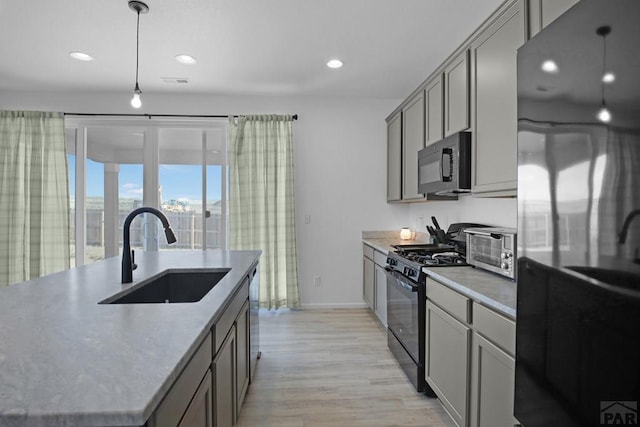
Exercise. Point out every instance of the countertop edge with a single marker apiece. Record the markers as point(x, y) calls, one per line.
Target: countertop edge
point(477, 297)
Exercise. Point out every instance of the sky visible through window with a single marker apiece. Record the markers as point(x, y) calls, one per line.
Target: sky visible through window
point(179, 182)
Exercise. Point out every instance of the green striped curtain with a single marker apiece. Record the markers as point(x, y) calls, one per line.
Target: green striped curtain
point(34, 196)
point(261, 202)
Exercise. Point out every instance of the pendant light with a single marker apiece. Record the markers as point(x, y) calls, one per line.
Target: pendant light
point(604, 115)
point(138, 7)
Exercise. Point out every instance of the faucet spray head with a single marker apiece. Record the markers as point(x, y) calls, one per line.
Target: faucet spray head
point(171, 238)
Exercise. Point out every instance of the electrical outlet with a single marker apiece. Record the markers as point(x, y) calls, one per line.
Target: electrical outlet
point(316, 280)
point(307, 219)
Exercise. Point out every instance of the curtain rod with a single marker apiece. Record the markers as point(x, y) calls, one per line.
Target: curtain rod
point(294, 116)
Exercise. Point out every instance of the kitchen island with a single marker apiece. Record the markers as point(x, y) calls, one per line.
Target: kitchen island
point(66, 360)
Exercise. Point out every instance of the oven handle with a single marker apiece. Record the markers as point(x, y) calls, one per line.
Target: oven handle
point(401, 280)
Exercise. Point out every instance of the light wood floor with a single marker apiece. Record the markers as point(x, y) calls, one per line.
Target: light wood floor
point(332, 368)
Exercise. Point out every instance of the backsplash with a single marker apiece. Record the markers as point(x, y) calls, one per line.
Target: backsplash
point(501, 212)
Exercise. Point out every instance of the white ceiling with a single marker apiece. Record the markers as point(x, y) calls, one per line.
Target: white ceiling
point(243, 47)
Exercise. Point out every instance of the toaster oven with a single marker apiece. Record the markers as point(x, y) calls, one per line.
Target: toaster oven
point(492, 249)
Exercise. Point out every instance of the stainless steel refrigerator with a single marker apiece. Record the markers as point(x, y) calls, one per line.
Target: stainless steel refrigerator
point(578, 310)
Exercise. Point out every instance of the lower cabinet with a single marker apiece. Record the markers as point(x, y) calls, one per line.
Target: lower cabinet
point(369, 274)
point(493, 369)
point(381, 294)
point(242, 357)
point(447, 370)
point(224, 382)
point(374, 286)
point(188, 402)
point(198, 413)
point(470, 360)
point(492, 385)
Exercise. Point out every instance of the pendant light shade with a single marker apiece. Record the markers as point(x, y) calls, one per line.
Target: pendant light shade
point(138, 7)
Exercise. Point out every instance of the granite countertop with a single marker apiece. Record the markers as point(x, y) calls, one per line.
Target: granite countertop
point(67, 360)
point(489, 289)
point(486, 288)
point(383, 240)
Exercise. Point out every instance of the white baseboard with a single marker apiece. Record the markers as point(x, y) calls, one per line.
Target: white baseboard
point(333, 305)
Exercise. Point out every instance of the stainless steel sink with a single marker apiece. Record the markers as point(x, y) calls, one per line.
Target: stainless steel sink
point(173, 286)
point(623, 279)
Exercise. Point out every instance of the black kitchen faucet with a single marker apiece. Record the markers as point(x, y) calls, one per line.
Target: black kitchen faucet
point(127, 254)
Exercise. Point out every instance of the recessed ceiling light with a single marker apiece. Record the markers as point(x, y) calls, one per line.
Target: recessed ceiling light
point(186, 59)
point(609, 77)
point(81, 56)
point(549, 66)
point(334, 63)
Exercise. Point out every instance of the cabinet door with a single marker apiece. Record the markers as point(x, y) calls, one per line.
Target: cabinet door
point(456, 98)
point(495, 147)
point(412, 142)
point(369, 282)
point(394, 158)
point(447, 370)
point(492, 385)
point(224, 380)
point(434, 110)
point(381, 294)
point(198, 414)
point(242, 356)
point(544, 12)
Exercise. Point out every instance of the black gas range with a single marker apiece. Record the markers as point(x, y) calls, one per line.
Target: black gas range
point(406, 303)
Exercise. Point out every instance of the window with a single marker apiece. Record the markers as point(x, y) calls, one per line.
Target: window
point(119, 164)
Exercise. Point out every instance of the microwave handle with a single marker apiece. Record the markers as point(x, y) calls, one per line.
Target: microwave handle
point(446, 152)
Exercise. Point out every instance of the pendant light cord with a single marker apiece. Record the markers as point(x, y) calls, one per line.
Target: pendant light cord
point(137, 44)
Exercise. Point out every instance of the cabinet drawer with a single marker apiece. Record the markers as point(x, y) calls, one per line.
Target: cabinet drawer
point(367, 251)
point(495, 327)
point(451, 301)
point(177, 399)
point(222, 325)
point(380, 258)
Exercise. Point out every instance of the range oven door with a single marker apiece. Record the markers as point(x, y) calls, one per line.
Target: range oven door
point(403, 318)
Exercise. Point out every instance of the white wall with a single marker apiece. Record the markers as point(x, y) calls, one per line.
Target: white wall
point(340, 153)
point(499, 212)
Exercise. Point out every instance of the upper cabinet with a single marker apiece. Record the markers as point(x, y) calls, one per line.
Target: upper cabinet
point(412, 142)
point(434, 109)
point(543, 12)
point(456, 99)
point(475, 89)
point(495, 102)
point(394, 158)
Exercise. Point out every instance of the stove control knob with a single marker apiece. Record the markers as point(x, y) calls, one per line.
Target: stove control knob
point(392, 261)
point(505, 265)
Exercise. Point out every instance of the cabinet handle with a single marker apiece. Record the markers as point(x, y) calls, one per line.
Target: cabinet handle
point(446, 152)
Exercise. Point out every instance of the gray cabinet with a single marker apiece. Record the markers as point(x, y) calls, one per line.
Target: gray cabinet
point(456, 94)
point(447, 365)
point(412, 142)
point(369, 275)
point(394, 158)
point(493, 370)
point(224, 382)
point(543, 12)
point(381, 294)
point(492, 385)
point(375, 282)
point(198, 413)
point(434, 110)
point(190, 395)
point(495, 103)
point(242, 356)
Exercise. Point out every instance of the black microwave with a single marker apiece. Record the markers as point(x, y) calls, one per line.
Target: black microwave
point(444, 167)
